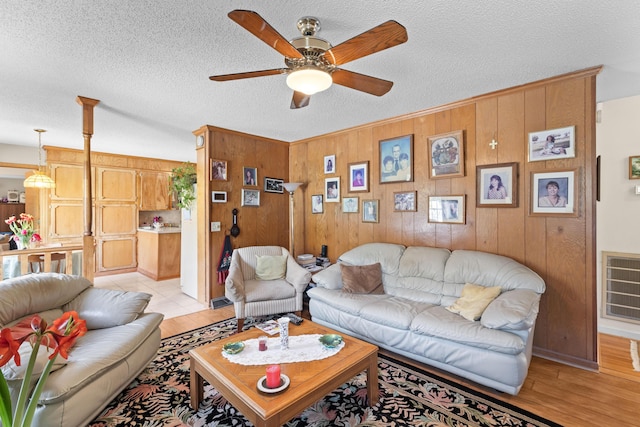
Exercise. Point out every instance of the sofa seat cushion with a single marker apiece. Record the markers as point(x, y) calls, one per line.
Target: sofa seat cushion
point(343, 301)
point(393, 312)
point(268, 290)
point(437, 321)
point(95, 353)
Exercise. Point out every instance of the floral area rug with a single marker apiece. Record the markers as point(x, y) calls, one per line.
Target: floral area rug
point(408, 397)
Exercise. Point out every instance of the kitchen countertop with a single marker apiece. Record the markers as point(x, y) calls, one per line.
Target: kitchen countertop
point(162, 230)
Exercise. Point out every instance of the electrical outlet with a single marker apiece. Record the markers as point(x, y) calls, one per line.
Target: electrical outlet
point(215, 226)
point(638, 189)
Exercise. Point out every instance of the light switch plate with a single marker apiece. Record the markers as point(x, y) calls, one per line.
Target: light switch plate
point(638, 189)
point(215, 226)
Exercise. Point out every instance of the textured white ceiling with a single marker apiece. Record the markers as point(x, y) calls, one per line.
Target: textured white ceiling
point(149, 62)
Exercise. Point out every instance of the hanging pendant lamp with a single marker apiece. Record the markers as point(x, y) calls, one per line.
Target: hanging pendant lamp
point(39, 179)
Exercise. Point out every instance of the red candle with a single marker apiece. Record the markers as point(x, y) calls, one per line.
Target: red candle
point(273, 376)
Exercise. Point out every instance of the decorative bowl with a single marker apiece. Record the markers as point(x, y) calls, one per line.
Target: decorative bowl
point(233, 347)
point(330, 340)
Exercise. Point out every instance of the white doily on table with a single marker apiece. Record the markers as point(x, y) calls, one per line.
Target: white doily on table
point(302, 348)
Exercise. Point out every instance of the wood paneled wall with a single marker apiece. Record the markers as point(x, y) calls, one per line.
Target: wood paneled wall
point(560, 249)
point(267, 224)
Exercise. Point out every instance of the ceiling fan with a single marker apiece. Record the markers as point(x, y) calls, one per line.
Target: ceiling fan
point(312, 63)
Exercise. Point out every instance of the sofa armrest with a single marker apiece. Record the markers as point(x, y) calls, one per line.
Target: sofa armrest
point(298, 276)
point(234, 283)
point(330, 277)
point(106, 308)
point(512, 310)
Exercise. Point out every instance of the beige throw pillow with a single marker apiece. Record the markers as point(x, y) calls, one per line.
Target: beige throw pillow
point(362, 279)
point(474, 300)
point(271, 267)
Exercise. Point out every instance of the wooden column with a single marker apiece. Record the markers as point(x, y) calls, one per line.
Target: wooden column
point(88, 241)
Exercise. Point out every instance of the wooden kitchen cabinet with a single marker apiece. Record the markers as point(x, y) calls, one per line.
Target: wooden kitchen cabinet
point(159, 254)
point(116, 185)
point(153, 194)
point(116, 253)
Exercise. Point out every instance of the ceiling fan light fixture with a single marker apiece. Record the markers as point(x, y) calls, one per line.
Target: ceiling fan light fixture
point(309, 80)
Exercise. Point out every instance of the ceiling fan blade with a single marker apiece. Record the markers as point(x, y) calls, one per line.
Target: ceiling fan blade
point(248, 75)
point(299, 100)
point(376, 39)
point(361, 82)
point(260, 28)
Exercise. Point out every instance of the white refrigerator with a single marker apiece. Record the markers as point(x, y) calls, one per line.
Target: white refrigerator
point(189, 252)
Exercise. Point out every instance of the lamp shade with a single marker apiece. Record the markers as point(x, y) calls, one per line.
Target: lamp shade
point(39, 180)
point(309, 81)
point(291, 186)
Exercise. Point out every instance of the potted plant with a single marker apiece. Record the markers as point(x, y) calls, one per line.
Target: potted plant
point(182, 180)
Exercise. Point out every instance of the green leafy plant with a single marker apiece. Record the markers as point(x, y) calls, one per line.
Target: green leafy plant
point(182, 180)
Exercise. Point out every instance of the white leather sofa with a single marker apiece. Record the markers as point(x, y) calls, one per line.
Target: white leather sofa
point(411, 318)
point(120, 342)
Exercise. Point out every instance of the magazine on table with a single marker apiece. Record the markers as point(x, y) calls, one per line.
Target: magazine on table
point(270, 327)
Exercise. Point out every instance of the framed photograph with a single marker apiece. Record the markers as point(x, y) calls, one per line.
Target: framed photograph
point(447, 209)
point(273, 185)
point(359, 177)
point(404, 201)
point(396, 159)
point(330, 164)
point(370, 210)
point(446, 155)
point(634, 167)
point(218, 197)
point(552, 144)
point(250, 177)
point(497, 185)
point(350, 204)
point(218, 170)
point(316, 204)
point(250, 198)
point(332, 190)
point(553, 193)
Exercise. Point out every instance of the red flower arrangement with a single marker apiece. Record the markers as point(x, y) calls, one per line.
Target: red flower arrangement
point(59, 337)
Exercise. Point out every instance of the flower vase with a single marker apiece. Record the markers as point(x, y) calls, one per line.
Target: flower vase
point(22, 243)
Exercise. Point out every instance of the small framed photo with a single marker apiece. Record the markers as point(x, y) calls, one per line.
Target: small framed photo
point(497, 185)
point(218, 197)
point(273, 185)
point(446, 155)
point(553, 193)
point(552, 144)
point(250, 177)
point(250, 198)
point(370, 210)
point(218, 170)
point(634, 167)
point(404, 201)
point(330, 164)
point(359, 177)
point(447, 209)
point(332, 190)
point(396, 159)
point(317, 206)
point(350, 204)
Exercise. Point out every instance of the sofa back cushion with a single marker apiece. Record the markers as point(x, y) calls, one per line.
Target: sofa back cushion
point(387, 254)
point(420, 274)
point(34, 293)
point(482, 268)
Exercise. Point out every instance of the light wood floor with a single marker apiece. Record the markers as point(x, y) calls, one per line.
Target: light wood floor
point(564, 394)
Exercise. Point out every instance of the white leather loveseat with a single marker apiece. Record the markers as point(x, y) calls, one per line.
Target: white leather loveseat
point(411, 316)
point(120, 342)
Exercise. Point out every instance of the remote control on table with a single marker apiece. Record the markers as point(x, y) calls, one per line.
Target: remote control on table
point(296, 320)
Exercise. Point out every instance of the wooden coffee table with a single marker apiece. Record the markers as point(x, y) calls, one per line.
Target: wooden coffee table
point(310, 381)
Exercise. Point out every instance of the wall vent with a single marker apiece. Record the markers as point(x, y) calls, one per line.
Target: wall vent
point(621, 279)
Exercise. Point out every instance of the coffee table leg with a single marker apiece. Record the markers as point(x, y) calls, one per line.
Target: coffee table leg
point(372, 379)
point(196, 386)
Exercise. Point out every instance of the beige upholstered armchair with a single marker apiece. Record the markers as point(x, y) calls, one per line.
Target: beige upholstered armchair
point(265, 280)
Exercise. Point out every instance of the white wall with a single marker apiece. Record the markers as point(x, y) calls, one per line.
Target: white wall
point(618, 212)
